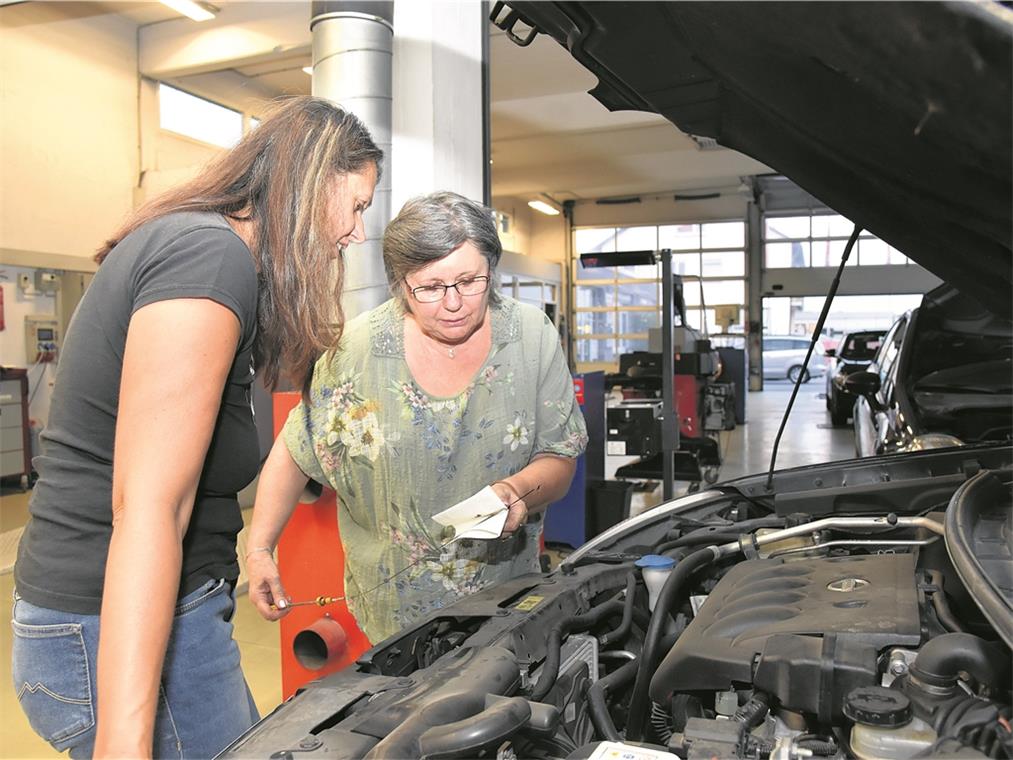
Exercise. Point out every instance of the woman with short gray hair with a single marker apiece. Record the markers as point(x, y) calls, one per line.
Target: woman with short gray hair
point(431, 226)
point(444, 389)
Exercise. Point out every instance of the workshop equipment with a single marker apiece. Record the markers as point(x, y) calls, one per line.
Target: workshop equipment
point(567, 521)
point(310, 557)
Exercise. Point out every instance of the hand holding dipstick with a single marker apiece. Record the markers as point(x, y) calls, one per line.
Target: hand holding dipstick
point(448, 535)
point(320, 601)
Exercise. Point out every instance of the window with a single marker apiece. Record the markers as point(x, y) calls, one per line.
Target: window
point(616, 307)
point(818, 240)
point(198, 118)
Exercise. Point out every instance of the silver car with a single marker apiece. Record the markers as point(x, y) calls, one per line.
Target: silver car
point(784, 355)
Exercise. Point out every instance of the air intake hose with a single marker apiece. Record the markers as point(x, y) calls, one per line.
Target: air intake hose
point(942, 658)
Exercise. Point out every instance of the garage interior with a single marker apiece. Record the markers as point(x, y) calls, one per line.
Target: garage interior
point(98, 100)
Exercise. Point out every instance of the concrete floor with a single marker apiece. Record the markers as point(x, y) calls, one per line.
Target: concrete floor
point(808, 439)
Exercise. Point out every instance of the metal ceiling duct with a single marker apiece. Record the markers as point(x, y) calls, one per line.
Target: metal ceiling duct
point(353, 44)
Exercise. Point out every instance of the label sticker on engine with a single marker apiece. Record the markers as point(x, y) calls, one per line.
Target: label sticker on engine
point(617, 751)
point(528, 603)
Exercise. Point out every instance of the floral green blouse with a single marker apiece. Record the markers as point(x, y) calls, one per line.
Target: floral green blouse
point(396, 456)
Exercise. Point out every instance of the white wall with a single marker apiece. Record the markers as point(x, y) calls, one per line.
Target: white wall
point(532, 233)
point(68, 146)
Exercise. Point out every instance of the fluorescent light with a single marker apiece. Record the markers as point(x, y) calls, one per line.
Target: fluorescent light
point(544, 207)
point(190, 9)
point(308, 70)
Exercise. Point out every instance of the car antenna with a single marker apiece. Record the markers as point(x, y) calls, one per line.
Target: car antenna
point(812, 344)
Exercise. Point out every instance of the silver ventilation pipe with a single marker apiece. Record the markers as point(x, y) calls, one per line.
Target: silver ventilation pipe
point(353, 45)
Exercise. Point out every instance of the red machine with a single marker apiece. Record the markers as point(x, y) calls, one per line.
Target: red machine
point(312, 564)
point(688, 398)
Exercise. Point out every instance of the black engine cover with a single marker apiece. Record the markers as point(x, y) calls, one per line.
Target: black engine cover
point(806, 631)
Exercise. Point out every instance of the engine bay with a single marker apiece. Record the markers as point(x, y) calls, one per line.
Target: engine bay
point(725, 624)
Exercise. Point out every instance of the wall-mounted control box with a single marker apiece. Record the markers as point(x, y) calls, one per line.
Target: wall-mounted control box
point(42, 338)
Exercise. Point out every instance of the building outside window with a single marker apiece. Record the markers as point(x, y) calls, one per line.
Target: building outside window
point(818, 240)
point(198, 118)
point(614, 307)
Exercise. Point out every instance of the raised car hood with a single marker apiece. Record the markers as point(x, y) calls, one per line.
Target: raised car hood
point(896, 115)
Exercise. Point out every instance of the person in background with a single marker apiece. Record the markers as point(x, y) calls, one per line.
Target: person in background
point(445, 388)
point(151, 435)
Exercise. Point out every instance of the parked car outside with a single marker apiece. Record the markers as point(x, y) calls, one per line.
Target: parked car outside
point(846, 609)
point(853, 354)
point(784, 357)
point(943, 376)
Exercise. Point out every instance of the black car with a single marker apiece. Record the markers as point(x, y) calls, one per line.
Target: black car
point(942, 377)
point(860, 608)
point(852, 354)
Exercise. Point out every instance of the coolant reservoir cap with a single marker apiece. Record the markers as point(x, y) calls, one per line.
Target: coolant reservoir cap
point(878, 706)
point(655, 561)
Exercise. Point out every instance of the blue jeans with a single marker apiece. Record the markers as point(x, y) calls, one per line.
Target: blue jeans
point(203, 703)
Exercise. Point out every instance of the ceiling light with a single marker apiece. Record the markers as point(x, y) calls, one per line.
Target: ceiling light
point(544, 207)
point(191, 9)
point(308, 70)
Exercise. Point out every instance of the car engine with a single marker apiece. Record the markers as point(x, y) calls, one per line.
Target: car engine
point(733, 624)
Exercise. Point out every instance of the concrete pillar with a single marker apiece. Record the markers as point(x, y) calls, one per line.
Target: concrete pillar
point(438, 98)
point(353, 46)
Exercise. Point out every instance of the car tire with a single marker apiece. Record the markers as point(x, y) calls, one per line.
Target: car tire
point(839, 417)
point(794, 372)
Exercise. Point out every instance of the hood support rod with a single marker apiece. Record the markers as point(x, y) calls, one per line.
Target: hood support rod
point(812, 344)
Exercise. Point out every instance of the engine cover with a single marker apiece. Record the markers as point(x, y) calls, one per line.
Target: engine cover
point(806, 631)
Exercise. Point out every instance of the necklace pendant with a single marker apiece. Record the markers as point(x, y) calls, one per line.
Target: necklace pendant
point(451, 353)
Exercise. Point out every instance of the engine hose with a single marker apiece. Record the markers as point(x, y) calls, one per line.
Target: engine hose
point(942, 658)
point(691, 540)
point(600, 689)
point(597, 705)
point(550, 668)
point(819, 747)
point(751, 714)
point(971, 721)
point(623, 630)
point(720, 533)
point(670, 593)
point(941, 606)
point(661, 723)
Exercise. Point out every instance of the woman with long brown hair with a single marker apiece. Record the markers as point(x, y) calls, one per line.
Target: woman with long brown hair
point(151, 435)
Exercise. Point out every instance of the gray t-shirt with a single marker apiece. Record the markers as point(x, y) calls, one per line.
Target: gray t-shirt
point(62, 554)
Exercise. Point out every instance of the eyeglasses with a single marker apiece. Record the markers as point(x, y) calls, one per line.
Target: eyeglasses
point(472, 286)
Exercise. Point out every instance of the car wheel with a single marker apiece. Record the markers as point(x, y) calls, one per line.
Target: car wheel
point(794, 372)
point(839, 417)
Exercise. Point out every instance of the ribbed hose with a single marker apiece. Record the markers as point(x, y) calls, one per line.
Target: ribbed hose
point(597, 695)
point(754, 711)
point(670, 593)
point(819, 747)
point(550, 668)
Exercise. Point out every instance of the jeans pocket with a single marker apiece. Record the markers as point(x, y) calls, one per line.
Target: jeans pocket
point(51, 679)
point(198, 596)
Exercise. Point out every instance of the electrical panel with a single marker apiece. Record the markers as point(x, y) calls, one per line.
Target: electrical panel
point(42, 338)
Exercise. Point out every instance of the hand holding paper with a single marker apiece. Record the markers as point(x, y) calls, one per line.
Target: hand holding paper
point(480, 516)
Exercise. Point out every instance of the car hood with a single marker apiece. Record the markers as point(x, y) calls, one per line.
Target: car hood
point(895, 115)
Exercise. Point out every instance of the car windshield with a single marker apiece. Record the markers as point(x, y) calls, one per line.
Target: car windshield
point(862, 346)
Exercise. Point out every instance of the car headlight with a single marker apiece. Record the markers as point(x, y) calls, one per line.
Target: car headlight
point(933, 441)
